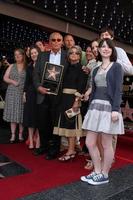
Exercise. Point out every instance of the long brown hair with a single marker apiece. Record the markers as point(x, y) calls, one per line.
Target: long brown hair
point(110, 43)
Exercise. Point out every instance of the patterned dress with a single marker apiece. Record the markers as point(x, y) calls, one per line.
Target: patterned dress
point(98, 116)
point(13, 111)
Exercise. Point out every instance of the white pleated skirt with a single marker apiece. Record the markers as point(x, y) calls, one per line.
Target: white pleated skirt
point(98, 119)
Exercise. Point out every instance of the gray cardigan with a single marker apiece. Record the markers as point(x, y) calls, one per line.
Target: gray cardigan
point(114, 80)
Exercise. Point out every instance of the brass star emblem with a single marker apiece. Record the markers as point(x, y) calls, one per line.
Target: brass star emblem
point(127, 112)
point(52, 73)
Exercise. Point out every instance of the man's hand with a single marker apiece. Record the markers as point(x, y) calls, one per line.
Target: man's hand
point(43, 90)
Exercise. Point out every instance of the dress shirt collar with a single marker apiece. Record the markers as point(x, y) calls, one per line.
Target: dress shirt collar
point(58, 52)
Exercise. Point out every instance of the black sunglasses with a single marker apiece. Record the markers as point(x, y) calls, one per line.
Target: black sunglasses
point(72, 52)
point(54, 40)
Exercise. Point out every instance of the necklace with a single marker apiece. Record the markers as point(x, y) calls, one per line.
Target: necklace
point(104, 68)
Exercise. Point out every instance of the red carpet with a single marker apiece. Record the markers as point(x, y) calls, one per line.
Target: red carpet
point(48, 174)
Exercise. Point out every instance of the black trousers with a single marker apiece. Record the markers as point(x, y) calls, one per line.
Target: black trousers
point(46, 115)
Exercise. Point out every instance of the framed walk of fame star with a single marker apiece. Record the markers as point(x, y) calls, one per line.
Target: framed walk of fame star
point(52, 76)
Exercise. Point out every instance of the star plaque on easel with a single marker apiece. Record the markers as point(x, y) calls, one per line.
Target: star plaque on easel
point(52, 76)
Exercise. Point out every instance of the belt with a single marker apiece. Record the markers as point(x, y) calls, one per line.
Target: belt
point(69, 91)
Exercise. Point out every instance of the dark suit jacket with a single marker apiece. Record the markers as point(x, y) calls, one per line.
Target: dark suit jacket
point(43, 57)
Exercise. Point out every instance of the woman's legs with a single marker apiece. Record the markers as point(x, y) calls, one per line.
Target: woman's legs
point(100, 147)
point(70, 154)
point(71, 145)
point(37, 139)
point(114, 144)
point(31, 132)
point(91, 143)
point(13, 126)
point(101, 167)
point(20, 132)
point(108, 153)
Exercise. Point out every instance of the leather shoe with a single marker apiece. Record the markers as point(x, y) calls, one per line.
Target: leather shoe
point(38, 151)
point(51, 156)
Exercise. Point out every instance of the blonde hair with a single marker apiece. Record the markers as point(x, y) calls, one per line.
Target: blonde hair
point(22, 52)
point(79, 51)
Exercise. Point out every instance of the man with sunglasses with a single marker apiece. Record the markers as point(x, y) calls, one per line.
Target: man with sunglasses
point(48, 104)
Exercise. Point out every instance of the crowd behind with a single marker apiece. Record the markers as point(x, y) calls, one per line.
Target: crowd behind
point(87, 104)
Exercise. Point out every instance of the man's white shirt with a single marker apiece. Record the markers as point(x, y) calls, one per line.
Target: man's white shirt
point(55, 58)
point(123, 59)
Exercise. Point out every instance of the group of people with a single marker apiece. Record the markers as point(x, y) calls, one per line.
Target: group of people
point(90, 89)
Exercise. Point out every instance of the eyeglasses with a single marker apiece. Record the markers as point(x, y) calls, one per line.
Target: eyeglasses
point(56, 40)
point(72, 52)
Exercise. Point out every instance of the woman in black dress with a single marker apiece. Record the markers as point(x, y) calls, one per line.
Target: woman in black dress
point(73, 87)
point(30, 106)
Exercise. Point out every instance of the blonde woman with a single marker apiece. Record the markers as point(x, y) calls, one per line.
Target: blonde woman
point(73, 87)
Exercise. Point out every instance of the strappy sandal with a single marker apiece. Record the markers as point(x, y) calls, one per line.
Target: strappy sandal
point(89, 165)
point(66, 157)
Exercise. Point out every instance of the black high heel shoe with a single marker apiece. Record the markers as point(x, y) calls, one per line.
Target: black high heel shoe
point(12, 139)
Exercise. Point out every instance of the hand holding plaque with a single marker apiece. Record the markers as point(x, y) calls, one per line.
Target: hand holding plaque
point(52, 76)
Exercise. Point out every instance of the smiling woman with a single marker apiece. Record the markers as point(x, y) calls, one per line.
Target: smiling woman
point(74, 54)
point(104, 110)
point(13, 110)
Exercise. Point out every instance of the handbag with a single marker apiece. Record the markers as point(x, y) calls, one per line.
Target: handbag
point(70, 113)
point(2, 103)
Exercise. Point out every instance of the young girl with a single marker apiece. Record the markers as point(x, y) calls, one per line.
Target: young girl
point(103, 116)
